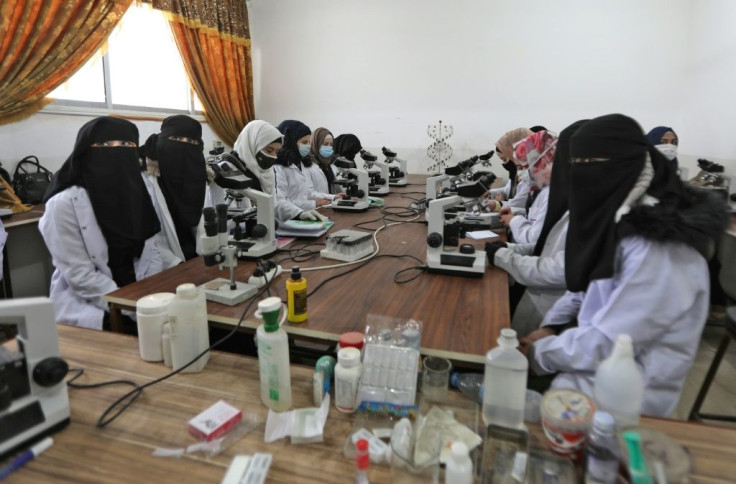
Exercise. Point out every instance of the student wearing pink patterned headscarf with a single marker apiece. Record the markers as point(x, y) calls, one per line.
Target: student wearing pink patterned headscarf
point(515, 192)
point(536, 153)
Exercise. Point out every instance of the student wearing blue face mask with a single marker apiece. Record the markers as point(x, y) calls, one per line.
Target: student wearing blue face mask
point(322, 172)
point(293, 182)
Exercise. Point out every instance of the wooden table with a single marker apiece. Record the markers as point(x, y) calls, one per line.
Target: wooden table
point(462, 316)
point(121, 452)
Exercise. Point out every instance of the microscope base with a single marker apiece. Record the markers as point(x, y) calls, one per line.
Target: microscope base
point(382, 190)
point(455, 264)
point(351, 205)
point(218, 290)
point(399, 182)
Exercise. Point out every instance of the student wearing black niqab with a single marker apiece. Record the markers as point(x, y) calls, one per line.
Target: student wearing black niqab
point(634, 265)
point(183, 176)
point(97, 209)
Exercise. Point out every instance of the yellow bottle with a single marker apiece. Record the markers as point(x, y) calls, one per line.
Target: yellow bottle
point(296, 297)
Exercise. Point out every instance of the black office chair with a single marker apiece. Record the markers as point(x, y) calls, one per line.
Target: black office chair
point(727, 277)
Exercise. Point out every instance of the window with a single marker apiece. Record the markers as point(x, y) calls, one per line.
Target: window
point(140, 71)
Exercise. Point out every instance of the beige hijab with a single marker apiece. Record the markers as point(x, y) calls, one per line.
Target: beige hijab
point(505, 144)
point(318, 137)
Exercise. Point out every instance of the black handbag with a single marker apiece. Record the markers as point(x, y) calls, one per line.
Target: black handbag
point(30, 180)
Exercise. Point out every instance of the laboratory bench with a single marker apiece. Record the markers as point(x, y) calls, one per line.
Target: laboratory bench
point(461, 316)
point(122, 451)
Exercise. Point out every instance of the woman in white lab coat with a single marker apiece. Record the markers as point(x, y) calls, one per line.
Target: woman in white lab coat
point(292, 180)
point(322, 172)
point(176, 177)
point(514, 194)
point(633, 265)
point(540, 267)
point(99, 224)
point(536, 152)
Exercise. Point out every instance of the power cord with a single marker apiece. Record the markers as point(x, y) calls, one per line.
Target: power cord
point(127, 400)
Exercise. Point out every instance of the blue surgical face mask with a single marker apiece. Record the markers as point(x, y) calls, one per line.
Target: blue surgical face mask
point(304, 150)
point(326, 151)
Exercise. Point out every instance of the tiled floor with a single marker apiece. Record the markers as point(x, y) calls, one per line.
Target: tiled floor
point(722, 395)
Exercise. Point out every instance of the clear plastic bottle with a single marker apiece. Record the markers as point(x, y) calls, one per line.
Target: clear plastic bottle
point(469, 384)
point(273, 357)
point(188, 329)
point(459, 467)
point(619, 386)
point(602, 451)
point(505, 383)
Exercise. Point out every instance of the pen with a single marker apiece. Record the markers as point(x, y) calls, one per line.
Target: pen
point(26, 456)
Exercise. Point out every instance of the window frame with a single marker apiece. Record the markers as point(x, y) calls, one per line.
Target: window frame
point(93, 108)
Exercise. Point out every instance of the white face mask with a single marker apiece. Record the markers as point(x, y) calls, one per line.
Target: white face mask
point(668, 150)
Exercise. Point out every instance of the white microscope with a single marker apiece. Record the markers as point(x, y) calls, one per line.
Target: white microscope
point(354, 183)
point(377, 172)
point(396, 174)
point(445, 254)
point(33, 395)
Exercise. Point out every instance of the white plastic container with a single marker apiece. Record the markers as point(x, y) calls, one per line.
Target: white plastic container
point(273, 357)
point(459, 467)
point(619, 386)
point(152, 312)
point(347, 376)
point(504, 395)
point(188, 331)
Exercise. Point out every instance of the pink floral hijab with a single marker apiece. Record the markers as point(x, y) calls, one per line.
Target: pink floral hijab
point(536, 152)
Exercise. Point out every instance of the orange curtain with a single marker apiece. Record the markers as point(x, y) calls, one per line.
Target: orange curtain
point(213, 38)
point(43, 43)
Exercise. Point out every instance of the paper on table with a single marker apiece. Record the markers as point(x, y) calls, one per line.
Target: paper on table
point(304, 425)
point(482, 234)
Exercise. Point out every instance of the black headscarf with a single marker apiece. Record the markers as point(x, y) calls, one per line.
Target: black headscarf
point(559, 184)
point(599, 188)
point(347, 145)
point(112, 178)
point(293, 131)
point(148, 150)
point(183, 177)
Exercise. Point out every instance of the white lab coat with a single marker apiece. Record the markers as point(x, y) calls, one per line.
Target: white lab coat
point(659, 295)
point(3, 239)
point(294, 185)
point(526, 230)
point(167, 240)
point(79, 254)
point(543, 276)
point(518, 202)
point(319, 180)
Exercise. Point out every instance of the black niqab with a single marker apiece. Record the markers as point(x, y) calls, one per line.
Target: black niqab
point(599, 188)
point(559, 184)
point(183, 177)
point(112, 179)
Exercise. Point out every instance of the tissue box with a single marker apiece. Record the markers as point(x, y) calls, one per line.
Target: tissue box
point(215, 421)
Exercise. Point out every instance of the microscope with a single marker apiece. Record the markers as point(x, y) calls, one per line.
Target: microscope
point(377, 172)
point(254, 233)
point(354, 183)
point(396, 174)
point(33, 394)
point(445, 254)
point(217, 251)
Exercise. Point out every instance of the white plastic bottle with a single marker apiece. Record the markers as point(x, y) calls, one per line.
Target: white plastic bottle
point(619, 386)
point(504, 395)
point(188, 330)
point(273, 357)
point(459, 467)
point(347, 376)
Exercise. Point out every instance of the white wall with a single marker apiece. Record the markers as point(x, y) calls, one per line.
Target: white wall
point(385, 69)
point(51, 138)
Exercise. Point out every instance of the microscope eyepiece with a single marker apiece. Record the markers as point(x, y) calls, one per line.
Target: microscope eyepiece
point(210, 221)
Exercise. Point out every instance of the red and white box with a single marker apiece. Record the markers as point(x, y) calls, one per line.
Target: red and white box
point(215, 422)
